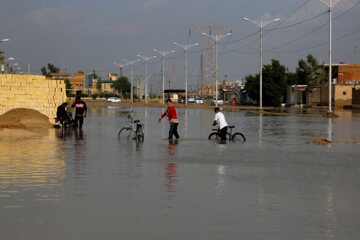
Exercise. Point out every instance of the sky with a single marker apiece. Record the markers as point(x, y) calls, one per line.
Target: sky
point(87, 35)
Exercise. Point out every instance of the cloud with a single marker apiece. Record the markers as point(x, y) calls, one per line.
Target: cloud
point(154, 4)
point(53, 16)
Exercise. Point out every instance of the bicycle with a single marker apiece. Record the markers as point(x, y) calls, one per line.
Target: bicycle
point(136, 130)
point(65, 123)
point(236, 137)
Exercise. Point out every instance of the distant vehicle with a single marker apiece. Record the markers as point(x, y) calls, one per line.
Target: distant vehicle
point(219, 102)
point(191, 99)
point(182, 100)
point(114, 100)
point(198, 100)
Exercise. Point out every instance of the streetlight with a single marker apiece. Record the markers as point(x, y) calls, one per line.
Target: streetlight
point(5, 40)
point(163, 54)
point(186, 47)
point(331, 4)
point(121, 67)
point(131, 77)
point(261, 25)
point(216, 38)
point(146, 59)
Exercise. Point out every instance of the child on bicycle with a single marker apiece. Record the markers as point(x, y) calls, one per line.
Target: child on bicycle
point(220, 119)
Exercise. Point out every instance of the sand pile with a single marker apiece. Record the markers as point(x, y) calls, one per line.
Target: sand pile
point(23, 122)
point(321, 141)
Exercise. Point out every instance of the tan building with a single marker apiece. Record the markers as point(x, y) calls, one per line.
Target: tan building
point(77, 83)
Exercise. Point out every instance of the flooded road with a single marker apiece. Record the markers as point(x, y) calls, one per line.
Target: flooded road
point(277, 185)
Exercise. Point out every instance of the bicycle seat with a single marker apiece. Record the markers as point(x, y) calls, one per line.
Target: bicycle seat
point(136, 121)
point(231, 126)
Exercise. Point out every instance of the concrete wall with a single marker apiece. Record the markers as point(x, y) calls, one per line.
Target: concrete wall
point(343, 95)
point(31, 91)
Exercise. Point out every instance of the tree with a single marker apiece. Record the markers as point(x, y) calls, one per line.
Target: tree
point(98, 85)
point(122, 86)
point(309, 72)
point(51, 68)
point(68, 87)
point(274, 84)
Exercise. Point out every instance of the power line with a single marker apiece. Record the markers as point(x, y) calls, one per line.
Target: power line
point(321, 44)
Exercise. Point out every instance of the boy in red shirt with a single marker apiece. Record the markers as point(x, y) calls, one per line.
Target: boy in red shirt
point(173, 120)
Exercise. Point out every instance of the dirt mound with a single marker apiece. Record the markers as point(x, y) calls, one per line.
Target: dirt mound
point(21, 120)
point(321, 141)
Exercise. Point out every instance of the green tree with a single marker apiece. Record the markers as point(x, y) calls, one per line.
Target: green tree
point(309, 72)
point(50, 69)
point(122, 86)
point(98, 85)
point(274, 84)
point(68, 87)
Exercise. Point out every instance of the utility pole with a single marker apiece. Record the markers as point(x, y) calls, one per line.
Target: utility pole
point(131, 77)
point(331, 4)
point(210, 58)
point(186, 47)
point(163, 54)
point(146, 59)
point(216, 39)
point(120, 67)
point(261, 25)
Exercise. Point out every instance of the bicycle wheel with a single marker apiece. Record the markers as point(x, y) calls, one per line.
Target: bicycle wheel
point(238, 137)
point(125, 132)
point(214, 136)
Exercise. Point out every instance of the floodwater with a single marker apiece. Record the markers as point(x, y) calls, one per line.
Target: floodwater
point(277, 185)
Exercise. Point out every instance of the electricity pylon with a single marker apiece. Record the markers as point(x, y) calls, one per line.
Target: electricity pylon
point(209, 72)
point(172, 68)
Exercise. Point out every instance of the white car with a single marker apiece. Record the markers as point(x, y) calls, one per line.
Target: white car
point(199, 101)
point(219, 102)
point(191, 99)
point(113, 100)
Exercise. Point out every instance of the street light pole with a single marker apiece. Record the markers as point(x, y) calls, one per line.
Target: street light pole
point(121, 67)
point(131, 77)
point(146, 59)
point(186, 47)
point(163, 54)
point(261, 25)
point(1, 41)
point(216, 38)
point(331, 4)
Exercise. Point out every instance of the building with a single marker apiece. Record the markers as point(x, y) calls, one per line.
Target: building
point(345, 87)
point(77, 83)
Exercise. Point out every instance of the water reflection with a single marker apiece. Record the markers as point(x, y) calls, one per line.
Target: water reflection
point(171, 179)
point(220, 177)
point(260, 129)
point(172, 147)
point(32, 164)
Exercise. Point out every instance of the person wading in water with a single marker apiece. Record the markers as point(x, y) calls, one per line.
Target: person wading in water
point(80, 113)
point(173, 120)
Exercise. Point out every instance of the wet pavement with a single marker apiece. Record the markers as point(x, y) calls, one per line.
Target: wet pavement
point(277, 185)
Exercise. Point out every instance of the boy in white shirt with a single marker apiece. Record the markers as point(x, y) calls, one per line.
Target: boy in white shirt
point(220, 119)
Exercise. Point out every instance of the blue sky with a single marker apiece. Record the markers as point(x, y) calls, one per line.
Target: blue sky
point(86, 35)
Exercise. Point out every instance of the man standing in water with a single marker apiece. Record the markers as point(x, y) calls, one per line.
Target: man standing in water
point(173, 120)
point(81, 111)
point(220, 119)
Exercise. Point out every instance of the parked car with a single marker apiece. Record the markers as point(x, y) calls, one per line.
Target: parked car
point(114, 100)
point(182, 100)
point(198, 100)
point(219, 102)
point(191, 99)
